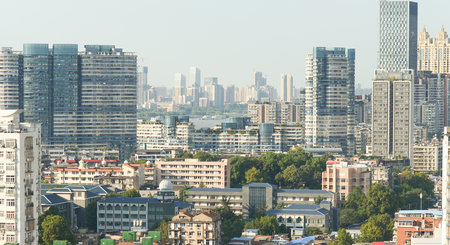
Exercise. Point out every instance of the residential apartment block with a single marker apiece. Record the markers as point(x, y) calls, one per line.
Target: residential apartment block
point(427, 157)
point(392, 114)
point(273, 112)
point(341, 178)
point(20, 191)
point(433, 54)
point(254, 195)
point(419, 225)
point(192, 172)
point(195, 228)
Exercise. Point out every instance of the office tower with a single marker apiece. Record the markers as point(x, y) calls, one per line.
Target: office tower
point(20, 185)
point(211, 81)
point(445, 188)
point(194, 76)
point(37, 87)
point(108, 99)
point(433, 54)
point(329, 99)
point(392, 114)
point(180, 80)
point(215, 95)
point(142, 76)
point(287, 88)
point(64, 97)
point(179, 95)
point(258, 79)
point(230, 94)
point(11, 79)
point(397, 35)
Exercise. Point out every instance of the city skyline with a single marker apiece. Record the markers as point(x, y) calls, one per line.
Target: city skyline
point(224, 46)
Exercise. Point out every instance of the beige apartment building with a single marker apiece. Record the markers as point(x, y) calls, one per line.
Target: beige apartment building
point(427, 157)
point(433, 54)
point(192, 172)
point(189, 228)
point(341, 178)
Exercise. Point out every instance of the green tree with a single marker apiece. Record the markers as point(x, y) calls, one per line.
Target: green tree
point(205, 156)
point(318, 199)
point(240, 165)
point(381, 200)
point(91, 216)
point(289, 178)
point(267, 225)
point(310, 231)
point(56, 227)
point(164, 229)
point(349, 216)
point(378, 228)
point(343, 238)
point(185, 155)
point(131, 193)
point(253, 175)
point(51, 211)
point(232, 224)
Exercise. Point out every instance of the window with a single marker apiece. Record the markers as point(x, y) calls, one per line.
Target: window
point(10, 215)
point(10, 178)
point(10, 202)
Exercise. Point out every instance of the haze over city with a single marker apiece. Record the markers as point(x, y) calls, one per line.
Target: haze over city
point(227, 39)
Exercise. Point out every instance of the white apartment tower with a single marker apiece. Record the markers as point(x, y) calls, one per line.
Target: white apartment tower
point(20, 193)
point(392, 114)
point(445, 188)
point(433, 54)
point(329, 99)
point(287, 88)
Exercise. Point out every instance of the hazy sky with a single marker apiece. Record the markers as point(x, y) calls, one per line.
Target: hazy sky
point(229, 39)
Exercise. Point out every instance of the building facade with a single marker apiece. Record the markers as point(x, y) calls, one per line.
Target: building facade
point(445, 188)
point(397, 52)
point(392, 114)
point(287, 88)
point(191, 228)
point(329, 100)
point(20, 197)
point(11, 79)
point(413, 224)
point(433, 54)
point(342, 178)
point(192, 172)
point(427, 157)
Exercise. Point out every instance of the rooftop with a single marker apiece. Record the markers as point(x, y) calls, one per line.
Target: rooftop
point(129, 200)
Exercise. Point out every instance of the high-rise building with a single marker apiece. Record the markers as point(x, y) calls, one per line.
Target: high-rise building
point(392, 114)
point(329, 103)
point(230, 94)
point(11, 79)
point(397, 35)
point(37, 87)
point(20, 167)
point(215, 95)
point(258, 79)
point(211, 81)
point(287, 87)
point(433, 54)
point(445, 188)
point(180, 80)
point(142, 85)
point(64, 97)
point(108, 99)
point(194, 76)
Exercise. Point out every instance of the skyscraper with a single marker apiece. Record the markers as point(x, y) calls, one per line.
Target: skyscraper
point(38, 87)
point(397, 35)
point(20, 166)
point(392, 114)
point(287, 87)
point(108, 99)
point(142, 85)
point(180, 80)
point(258, 79)
point(433, 54)
point(329, 103)
point(194, 76)
point(11, 79)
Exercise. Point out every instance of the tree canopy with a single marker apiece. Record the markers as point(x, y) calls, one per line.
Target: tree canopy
point(378, 228)
point(267, 225)
point(343, 238)
point(56, 227)
point(232, 224)
point(91, 216)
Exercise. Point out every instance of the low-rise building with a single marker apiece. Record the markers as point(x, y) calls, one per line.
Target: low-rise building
point(254, 195)
point(125, 177)
point(409, 224)
point(64, 206)
point(341, 177)
point(192, 172)
point(382, 174)
point(322, 215)
point(191, 228)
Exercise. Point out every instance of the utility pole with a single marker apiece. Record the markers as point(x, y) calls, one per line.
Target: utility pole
point(420, 201)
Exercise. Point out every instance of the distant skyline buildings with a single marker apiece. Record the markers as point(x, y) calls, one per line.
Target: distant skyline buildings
point(287, 88)
point(194, 77)
point(397, 35)
point(180, 80)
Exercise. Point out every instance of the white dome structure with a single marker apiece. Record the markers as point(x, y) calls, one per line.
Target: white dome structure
point(148, 163)
point(165, 185)
point(104, 163)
